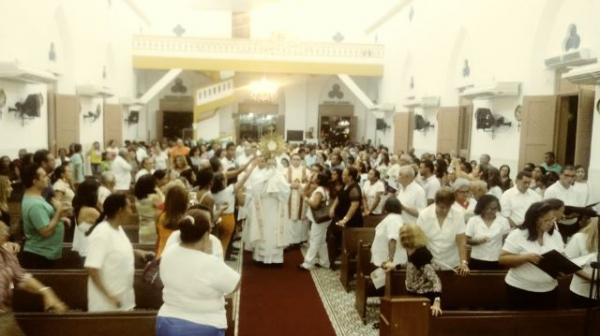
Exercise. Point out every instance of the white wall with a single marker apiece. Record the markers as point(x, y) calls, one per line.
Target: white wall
point(209, 129)
point(88, 37)
point(503, 143)
point(426, 141)
point(90, 131)
point(15, 133)
point(433, 45)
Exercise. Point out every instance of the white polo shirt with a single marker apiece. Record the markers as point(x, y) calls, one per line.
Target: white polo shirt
point(386, 230)
point(514, 203)
point(568, 196)
point(577, 248)
point(370, 191)
point(528, 276)
point(469, 211)
point(441, 240)
point(477, 229)
point(413, 196)
point(431, 185)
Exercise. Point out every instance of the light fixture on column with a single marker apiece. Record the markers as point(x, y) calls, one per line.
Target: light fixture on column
point(263, 90)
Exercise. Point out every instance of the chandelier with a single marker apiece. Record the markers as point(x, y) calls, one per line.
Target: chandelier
point(263, 90)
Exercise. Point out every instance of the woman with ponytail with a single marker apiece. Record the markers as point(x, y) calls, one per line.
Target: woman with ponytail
point(110, 259)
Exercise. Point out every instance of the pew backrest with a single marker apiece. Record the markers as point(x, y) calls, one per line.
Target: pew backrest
point(71, 287)
point(478, 290)
point(351, 237)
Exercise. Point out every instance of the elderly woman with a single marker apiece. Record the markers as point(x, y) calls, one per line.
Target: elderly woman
point(13, 274)
point(148, 203)
point(110, 259)
point(385, 252)
point(444, 227)
point(421, 279)
point(463, 200)
point(485, 233)
point(528, 287)
point(195, 283)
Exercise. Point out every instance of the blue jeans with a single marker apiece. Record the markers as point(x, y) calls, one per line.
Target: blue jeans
point(170, 326)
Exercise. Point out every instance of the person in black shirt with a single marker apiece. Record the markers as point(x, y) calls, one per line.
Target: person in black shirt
point(345, 212)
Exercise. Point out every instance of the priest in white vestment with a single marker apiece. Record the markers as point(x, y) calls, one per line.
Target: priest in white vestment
point(266, 214)
point(297, 225)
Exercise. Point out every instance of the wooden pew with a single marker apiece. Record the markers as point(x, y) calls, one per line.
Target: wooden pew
point(404, 316)
point(364, 285)
point(479, 290)
point(135, 323)
point(71, 287)
point(472, 305)
point(71, 259)
point(350, 239)
point(372, 220)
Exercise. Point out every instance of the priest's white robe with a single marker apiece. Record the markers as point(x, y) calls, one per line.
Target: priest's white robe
point(267, 213)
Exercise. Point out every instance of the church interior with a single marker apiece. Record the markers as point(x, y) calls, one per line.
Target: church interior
point(299, 167)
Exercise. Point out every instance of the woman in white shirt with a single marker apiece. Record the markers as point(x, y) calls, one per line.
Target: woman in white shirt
point(373, 193)
point(63, 183)
point(110, 259)
point(492, 177)
point(195, 283)
point(386, 252)
point(317, 247)
point(583, 244)
point(581, 187)
point(85, 209)
point(224, 199)
point(485, 233)
point(527, 286)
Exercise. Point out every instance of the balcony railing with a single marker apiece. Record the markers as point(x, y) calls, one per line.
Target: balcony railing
point(214, 92)
point(257, 49)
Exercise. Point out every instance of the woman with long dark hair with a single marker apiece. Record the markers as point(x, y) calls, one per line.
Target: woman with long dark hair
point(86, 212)
point(528, 287)
point(148, 202)
point(110, 259)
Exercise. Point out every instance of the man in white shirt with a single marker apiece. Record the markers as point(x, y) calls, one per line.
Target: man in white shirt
point(228, 161)
point(516, 200)
point(122, 171)
point(410, 194)
point(444, 228)
point(563, 190)
point(141, 153)
point(429, 181)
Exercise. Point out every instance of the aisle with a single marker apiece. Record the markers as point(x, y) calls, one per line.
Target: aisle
point(280, 300)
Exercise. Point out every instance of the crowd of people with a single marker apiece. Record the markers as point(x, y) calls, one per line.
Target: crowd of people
point(439, 212)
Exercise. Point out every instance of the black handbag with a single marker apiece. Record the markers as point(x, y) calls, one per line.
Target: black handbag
point(321, 214)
